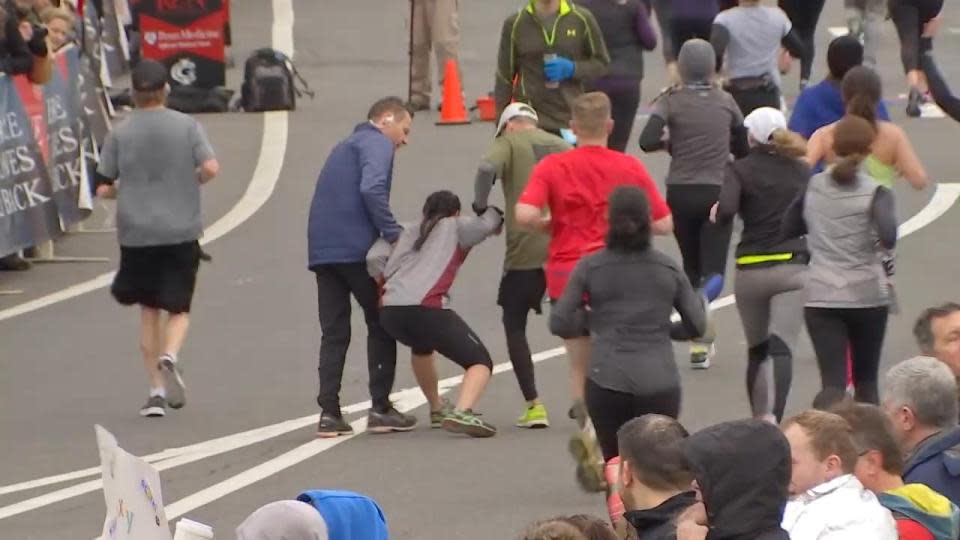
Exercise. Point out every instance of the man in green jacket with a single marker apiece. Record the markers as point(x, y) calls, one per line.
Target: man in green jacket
point(547, 50)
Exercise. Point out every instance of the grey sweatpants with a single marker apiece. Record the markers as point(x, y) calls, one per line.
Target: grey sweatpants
point(865, 22)
point(770, 301)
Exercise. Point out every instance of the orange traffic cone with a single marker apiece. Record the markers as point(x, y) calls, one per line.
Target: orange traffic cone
point(453, 110)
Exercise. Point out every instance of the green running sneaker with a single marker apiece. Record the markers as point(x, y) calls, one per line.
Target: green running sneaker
point(534, 417)
point(436, 417)
point(467, 422)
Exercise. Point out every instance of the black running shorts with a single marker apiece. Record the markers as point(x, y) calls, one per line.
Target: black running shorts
point(426, 330)
point(159, 277)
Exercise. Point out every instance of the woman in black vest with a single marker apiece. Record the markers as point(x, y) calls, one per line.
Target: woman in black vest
point(627, 33)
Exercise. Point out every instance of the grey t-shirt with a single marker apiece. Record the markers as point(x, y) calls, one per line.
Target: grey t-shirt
point(154, 154)
point(700, 120)
point(755, 35)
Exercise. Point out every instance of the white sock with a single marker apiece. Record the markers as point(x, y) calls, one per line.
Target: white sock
point(158, 392)
point(168, 356)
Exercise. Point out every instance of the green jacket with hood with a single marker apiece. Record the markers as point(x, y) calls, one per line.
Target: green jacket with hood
point(524, 40)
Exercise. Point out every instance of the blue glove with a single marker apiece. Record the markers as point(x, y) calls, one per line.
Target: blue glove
point(558, 69)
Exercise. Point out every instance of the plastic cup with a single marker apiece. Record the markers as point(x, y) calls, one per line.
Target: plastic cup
point(546, 58)
point(191, 530)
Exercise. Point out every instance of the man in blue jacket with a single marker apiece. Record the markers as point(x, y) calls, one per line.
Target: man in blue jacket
point(920, 397)
point(822, 104)
point(349, 212)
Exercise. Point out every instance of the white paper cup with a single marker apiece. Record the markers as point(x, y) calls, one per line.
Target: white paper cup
point(191, 530)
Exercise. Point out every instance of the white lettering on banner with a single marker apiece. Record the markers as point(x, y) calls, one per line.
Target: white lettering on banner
point(9, 127)
point(186, 33)
point(21, 196)
point(14, 161)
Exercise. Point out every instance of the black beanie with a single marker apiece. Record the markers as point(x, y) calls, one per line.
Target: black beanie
point(845, 53)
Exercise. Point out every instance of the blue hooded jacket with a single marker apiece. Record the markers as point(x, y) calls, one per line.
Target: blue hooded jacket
point(351, 203)
point(349, 516)
point(936, 463)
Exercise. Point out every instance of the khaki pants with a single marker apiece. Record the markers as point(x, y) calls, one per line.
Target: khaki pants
point(436, 25)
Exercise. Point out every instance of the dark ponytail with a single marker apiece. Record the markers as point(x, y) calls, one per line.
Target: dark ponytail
point(862, 92)
point(852, 138)
point(439, 205)
point(628, 219)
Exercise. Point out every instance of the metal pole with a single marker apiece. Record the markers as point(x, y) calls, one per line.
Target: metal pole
point(410, 57)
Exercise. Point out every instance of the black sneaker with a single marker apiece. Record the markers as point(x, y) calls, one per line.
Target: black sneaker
point(390, 421)
point(332, 425)
point(155, 407)
point(914, 100)
point(173, 382)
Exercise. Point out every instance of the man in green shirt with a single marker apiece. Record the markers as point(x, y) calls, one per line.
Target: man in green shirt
point(519, 145)
point(547, 50)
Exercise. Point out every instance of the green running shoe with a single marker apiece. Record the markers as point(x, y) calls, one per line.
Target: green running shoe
point(467, 422)
point(534, 417)
point(436, 417)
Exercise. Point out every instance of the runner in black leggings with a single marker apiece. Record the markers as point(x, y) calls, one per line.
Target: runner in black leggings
point(631, 290)
point(847, 289)
point(804, 15)
point(911, 18)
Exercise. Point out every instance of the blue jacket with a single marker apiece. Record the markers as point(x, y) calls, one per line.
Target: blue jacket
point(821, 105)
point(351, 203)
point(349, 516)
point(936, 463)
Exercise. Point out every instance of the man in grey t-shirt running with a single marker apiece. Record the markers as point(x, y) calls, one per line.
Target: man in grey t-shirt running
point(154, 163)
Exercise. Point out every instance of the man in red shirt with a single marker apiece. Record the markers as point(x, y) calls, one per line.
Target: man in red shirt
point(575, 186)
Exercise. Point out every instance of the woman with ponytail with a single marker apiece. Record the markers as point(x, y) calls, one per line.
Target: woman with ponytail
point(770, 269)
point(629, 290)
point(891, 156)
point(848, 220)
point(417, 276)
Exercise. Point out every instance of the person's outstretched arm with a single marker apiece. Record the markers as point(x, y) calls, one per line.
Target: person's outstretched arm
point(939, 88)
point(908, 163)
point(793, 224)
point(728, 203)
point(690, 306)
point(884, 215)
point(475, 229)
point(568, 317)
point(376, 158)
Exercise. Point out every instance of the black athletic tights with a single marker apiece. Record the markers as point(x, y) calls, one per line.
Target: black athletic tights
point(609, 410)
point(909, 16)
point(804, 15)
point(703, 245)
point(831, 331)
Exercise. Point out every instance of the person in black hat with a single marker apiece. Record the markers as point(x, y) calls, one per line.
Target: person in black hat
point(154, 163)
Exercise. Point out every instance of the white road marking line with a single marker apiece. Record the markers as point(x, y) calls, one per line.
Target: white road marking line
point(942, 200)
point(273, 148)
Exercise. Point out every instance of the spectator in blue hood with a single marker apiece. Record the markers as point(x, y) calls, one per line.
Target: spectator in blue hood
point(350, 211)
point(822, 104)
point(920, 397)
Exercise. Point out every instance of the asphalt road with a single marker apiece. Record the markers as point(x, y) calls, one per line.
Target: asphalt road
point(251, 355)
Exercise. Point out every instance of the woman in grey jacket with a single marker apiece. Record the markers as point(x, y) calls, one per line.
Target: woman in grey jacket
point(626, 293)
point(417, 276)
point(848, 218)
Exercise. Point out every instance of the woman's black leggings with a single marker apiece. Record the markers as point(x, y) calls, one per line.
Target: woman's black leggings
point(703, 245)
point(610, 410)
point(623, 108)
point(687, 28)
point(832, 330)
point(804, 15)
point(754, 98)
point(909, 16)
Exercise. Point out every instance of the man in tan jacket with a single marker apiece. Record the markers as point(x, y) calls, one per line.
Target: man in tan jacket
point(436, 27)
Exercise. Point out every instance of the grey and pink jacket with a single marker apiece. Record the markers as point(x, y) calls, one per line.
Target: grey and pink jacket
point(423, 277)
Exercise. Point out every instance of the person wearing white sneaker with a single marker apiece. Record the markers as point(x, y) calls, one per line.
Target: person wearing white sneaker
point(154, 162)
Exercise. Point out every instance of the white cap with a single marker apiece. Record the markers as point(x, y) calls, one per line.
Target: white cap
point(514, 110)
point(762, 122)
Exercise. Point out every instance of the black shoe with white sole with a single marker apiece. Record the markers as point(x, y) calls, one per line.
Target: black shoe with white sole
point(389, 421)
point(332, 425)
point(173, 382)
point(155, 407)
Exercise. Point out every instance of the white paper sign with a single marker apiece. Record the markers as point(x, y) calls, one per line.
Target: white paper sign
point(131, 490)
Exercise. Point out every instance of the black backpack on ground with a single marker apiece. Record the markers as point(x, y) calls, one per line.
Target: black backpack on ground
point(270, 82)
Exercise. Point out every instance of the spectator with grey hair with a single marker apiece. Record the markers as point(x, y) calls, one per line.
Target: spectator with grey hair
point(920, 397)
point(937, 332)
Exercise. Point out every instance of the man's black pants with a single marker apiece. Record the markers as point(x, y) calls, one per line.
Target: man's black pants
point(335, 284)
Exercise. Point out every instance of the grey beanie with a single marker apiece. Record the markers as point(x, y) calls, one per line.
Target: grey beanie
point(284, 520)
point(697, 61)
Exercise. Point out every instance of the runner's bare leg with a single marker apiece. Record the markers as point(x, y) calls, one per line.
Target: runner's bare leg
point(150, 344)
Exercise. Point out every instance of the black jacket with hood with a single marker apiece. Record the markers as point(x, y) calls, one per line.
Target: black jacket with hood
point(743, 469)
point(660, 523)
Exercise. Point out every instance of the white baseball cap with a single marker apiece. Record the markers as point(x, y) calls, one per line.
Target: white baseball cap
point(762, 122)
point(514, 110)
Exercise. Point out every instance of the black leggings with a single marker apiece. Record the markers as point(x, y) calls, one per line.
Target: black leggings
point(703, 245)
point(687, 28)
point(426, 330)
point(610, 410)
point(909, 16)
point(753, 99)
point(520, 292)
point(804, 15)
point(832, 330)
point(623, 108)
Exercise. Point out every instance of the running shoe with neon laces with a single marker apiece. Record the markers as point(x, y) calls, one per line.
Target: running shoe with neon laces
point(534, 417)
point(468, 423)
point(701, 354)
point(436, 417)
